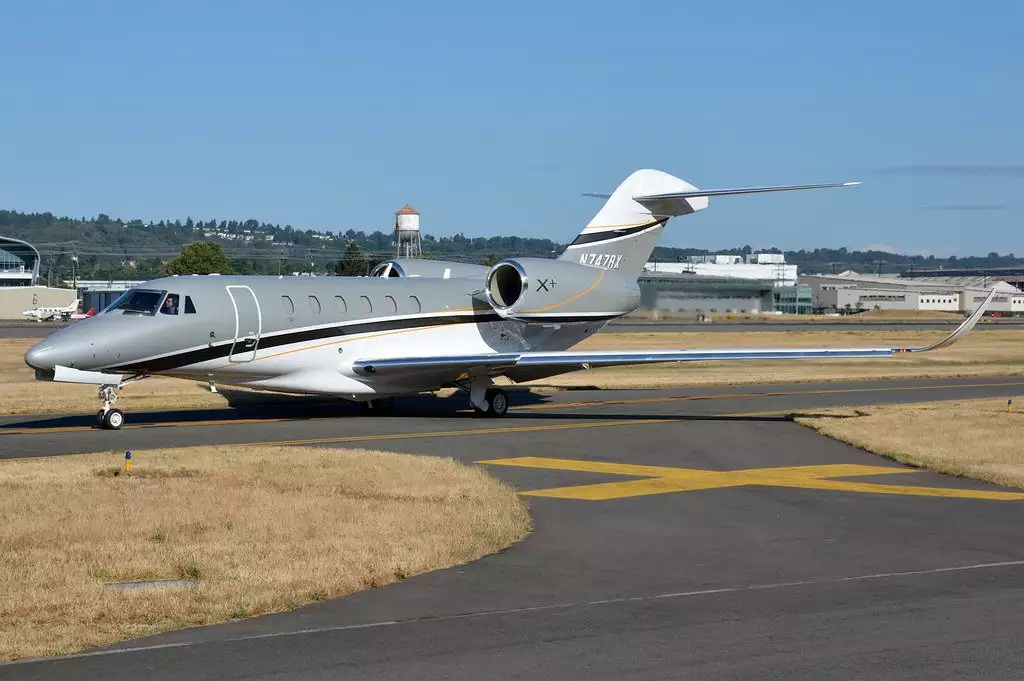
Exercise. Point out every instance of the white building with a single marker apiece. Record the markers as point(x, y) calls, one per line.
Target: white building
point(760, 266)
point(854, 291)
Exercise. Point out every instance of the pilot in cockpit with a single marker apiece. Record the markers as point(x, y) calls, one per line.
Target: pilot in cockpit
point(170, 305)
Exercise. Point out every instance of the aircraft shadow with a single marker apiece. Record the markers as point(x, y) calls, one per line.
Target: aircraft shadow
point(228, 416)
point(246, 405)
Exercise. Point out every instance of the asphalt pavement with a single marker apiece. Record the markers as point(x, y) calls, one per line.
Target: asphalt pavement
point(693, 533)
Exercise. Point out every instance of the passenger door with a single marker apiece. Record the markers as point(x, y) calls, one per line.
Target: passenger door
point(248, 323)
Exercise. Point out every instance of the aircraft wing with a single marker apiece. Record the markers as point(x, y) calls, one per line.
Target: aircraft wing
point(570, 360)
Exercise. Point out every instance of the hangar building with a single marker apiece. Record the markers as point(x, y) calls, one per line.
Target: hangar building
point(702, 294)
point(851, 291)
point(757, 283)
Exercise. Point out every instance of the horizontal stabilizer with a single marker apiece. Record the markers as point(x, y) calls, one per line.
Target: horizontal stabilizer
point(741, 190)
point(674, 203)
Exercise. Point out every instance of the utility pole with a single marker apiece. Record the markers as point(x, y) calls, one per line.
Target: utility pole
point(74, 268)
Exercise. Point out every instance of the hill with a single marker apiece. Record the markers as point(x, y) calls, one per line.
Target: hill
point(109, 248)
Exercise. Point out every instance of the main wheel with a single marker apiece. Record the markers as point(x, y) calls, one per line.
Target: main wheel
point(383, 404)
point(497, 402)
point(113, 419)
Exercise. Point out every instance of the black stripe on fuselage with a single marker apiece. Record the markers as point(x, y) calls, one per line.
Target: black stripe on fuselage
point(181, 359)
point(606, 235)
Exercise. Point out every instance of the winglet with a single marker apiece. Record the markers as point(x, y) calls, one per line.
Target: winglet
point(961, 331)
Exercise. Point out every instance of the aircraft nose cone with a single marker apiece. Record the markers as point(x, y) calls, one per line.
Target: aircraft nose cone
point(41, 356)
point(48, 353)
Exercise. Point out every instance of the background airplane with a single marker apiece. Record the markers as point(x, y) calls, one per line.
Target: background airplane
point(42, 314)
point(417, 326)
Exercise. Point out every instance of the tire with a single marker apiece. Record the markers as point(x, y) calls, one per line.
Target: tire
point(381, 405)
point(497, 402)
point(113, 419)
point(99, 418)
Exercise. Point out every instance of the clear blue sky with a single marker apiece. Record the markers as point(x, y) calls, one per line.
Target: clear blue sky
point(492, 118)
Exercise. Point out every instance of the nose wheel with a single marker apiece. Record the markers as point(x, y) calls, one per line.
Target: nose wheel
point(109, 418)
point(381, 405)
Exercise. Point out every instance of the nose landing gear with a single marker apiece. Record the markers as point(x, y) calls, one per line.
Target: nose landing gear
point(109, 418)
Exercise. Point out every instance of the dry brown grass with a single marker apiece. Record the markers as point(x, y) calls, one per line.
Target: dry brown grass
point(263, 529)
point(972, 438)
point(984, 353)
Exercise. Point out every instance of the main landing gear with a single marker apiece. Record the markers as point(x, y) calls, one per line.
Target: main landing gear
point(381, 405)
point(486, 398)
point(109, 418)
point(497, 403)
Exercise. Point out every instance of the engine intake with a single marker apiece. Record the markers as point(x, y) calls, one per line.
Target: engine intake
point(506, 284)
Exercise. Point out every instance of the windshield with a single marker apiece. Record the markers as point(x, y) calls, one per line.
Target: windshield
point(137, 301)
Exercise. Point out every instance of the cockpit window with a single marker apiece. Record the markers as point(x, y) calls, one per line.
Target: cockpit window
point(137, 301)
point(170, 305)
point(189, 307)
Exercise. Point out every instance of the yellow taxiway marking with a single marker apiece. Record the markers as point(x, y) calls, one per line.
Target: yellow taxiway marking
point(662, 480)
point(375, 437)
point(468, 431)
point(773, 393)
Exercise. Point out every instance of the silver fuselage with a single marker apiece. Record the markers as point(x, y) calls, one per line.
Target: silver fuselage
point(301, 334)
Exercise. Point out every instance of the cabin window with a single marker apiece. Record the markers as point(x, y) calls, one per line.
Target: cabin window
point(390, 305)
point(340, 303)
point(314, 304)
point(189, 307)
point(170, 305)
point(288, 305)
point(366, 305)
point(414, 304)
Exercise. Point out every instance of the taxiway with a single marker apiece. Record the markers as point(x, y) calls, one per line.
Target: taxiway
point(691, 532)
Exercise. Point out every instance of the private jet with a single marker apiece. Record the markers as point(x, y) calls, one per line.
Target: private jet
point(415, 326)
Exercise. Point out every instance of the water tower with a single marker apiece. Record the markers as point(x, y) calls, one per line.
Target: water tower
point(407, 233)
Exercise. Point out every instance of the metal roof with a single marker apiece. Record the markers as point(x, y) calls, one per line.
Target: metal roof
point(23, 251)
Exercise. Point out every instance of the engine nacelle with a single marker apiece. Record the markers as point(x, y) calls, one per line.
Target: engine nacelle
point(435, 269)
point(540, 289)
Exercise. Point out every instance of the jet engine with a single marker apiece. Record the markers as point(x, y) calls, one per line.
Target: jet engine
point(435, 269)
point(540, 289)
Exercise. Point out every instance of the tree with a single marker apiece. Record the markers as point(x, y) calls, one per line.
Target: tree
point(490, 261)
point(352, 263)
point(200, 257)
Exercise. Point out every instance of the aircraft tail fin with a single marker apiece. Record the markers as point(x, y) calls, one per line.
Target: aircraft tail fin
point(625, 231)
